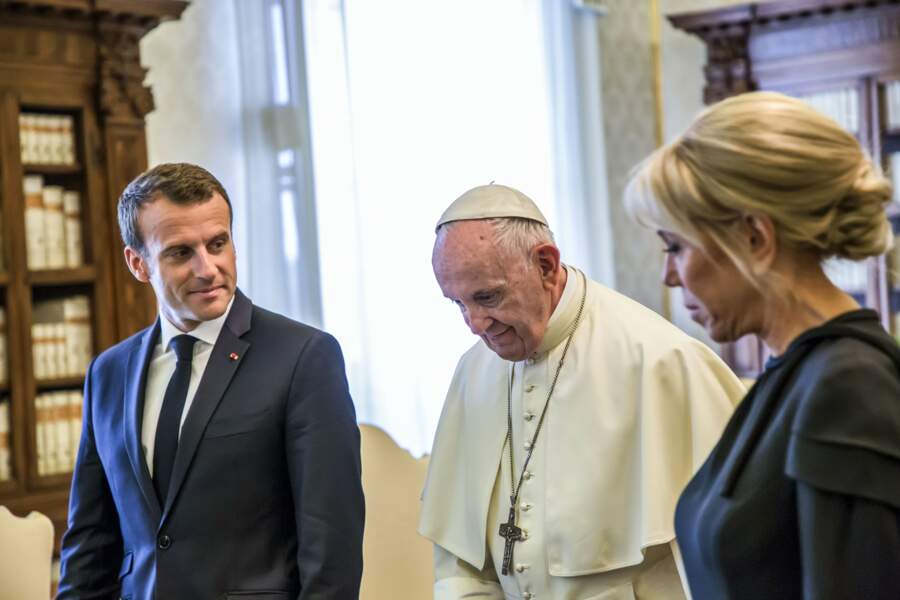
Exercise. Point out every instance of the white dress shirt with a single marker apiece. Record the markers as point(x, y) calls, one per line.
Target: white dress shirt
point(161, 368)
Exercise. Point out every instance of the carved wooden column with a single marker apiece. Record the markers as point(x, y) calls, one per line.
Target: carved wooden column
point(728, 66)
point(124, 101)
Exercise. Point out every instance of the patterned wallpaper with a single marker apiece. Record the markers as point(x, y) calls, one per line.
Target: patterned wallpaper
point(630, 121)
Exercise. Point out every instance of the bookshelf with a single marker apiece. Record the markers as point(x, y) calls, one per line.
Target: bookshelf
point(843, 58)
point(72, 108)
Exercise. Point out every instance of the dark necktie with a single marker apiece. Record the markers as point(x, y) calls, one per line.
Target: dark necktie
point(167, 429)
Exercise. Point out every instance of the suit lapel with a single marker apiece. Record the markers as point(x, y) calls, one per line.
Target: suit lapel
point(226, 357)
point(135, 383)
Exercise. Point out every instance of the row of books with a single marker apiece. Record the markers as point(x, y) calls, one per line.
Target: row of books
point(58, 429)
point(851, 276)
point(841, 105)
point(47, 139)
point(892, 105)
point(5, 453)
point(4, 373)
point(61, 337)
point(52, 225)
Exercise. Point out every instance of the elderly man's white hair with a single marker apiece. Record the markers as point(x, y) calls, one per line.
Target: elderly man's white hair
point(513, 235)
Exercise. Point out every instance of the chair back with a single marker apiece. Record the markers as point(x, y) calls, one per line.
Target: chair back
point(397, 561)
point(26, 556)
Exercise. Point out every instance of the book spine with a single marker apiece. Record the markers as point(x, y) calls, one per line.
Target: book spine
point(68, 141)
point(54, 226)
point(4, 373)
point(74, 242)
point(5, 470)
point(34, 222)
point(61, 431)
point(40, 411)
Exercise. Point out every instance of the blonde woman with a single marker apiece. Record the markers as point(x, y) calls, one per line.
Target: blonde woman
point(801, 496)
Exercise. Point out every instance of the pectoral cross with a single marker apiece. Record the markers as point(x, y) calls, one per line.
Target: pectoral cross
point(512, 534)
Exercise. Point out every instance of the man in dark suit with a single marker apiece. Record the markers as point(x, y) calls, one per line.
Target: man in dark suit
point(220, 452)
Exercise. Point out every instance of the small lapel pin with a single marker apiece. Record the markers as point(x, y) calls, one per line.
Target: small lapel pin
point(233, 356)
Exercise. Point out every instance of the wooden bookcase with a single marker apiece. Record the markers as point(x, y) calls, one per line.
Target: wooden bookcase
point(805, 48)
point(78, 58)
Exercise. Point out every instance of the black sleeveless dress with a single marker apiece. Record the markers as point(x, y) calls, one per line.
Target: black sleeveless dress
point(800, 499)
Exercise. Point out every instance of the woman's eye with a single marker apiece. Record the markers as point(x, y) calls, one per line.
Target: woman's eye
point(672, 249)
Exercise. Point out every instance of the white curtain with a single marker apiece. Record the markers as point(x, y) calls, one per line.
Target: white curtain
point(412, 102)
point(583, 227)
point(282, 266)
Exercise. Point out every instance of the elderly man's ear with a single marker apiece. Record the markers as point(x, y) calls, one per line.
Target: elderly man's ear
point(547, 259)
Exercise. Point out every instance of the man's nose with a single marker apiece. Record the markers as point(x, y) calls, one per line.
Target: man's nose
point(204, 267)
point(669, 272)
point(478, 321)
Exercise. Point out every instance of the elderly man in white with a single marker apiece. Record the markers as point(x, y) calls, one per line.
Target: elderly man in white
point(569, 429)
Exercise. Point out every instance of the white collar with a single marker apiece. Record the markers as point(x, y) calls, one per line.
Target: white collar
point(206, 331)
point(560, 323)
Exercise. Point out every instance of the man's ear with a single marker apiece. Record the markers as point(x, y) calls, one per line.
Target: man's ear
point(547, 258)
point(137, 264)
point(759, 232)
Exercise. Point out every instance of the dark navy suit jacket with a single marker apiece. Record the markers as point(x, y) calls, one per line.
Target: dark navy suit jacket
point(265, 500)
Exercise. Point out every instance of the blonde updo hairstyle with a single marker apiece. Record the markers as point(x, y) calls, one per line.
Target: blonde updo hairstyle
point(763, 153)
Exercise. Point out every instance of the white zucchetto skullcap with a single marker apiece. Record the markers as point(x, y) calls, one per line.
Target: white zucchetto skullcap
point(491, 202)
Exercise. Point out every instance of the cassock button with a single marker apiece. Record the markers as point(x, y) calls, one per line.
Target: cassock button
point(164, 542)
point(526, 506)
point(528, 596)
point(529, 416)
point(520, 568)
point(527, 445)
point(529, 388)
point(527, 475)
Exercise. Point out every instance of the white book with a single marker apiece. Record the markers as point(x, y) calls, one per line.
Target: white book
point(74, 242)
point(74, 402)
point(77, 317)
point(27, 135)
point(45, 139)
point(61, 431)
point(23, 145)
point(68, 142)
point(40, 412)
point(4, 373)
point(5, 467)
point(37, 351)
point(35, 231)
point(49, 435)
point(58, 350)
point(54, 226)
point(57, 140)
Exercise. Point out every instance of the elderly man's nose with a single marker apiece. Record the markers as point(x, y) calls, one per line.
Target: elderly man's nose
point(478, 322)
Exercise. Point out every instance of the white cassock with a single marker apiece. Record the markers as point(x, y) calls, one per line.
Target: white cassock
point(637, 407)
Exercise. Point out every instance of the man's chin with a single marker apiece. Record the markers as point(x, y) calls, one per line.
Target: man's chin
point(508, 353)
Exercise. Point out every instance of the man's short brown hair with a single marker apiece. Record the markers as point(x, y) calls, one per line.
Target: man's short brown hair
point(180, 183)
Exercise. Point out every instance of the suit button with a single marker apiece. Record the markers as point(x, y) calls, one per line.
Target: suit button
point(164, 542)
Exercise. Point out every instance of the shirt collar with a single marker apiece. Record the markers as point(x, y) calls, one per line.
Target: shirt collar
point(560, 324)
point(206, 331)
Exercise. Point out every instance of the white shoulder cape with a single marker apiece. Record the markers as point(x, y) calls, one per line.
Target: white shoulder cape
point(636, 411)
